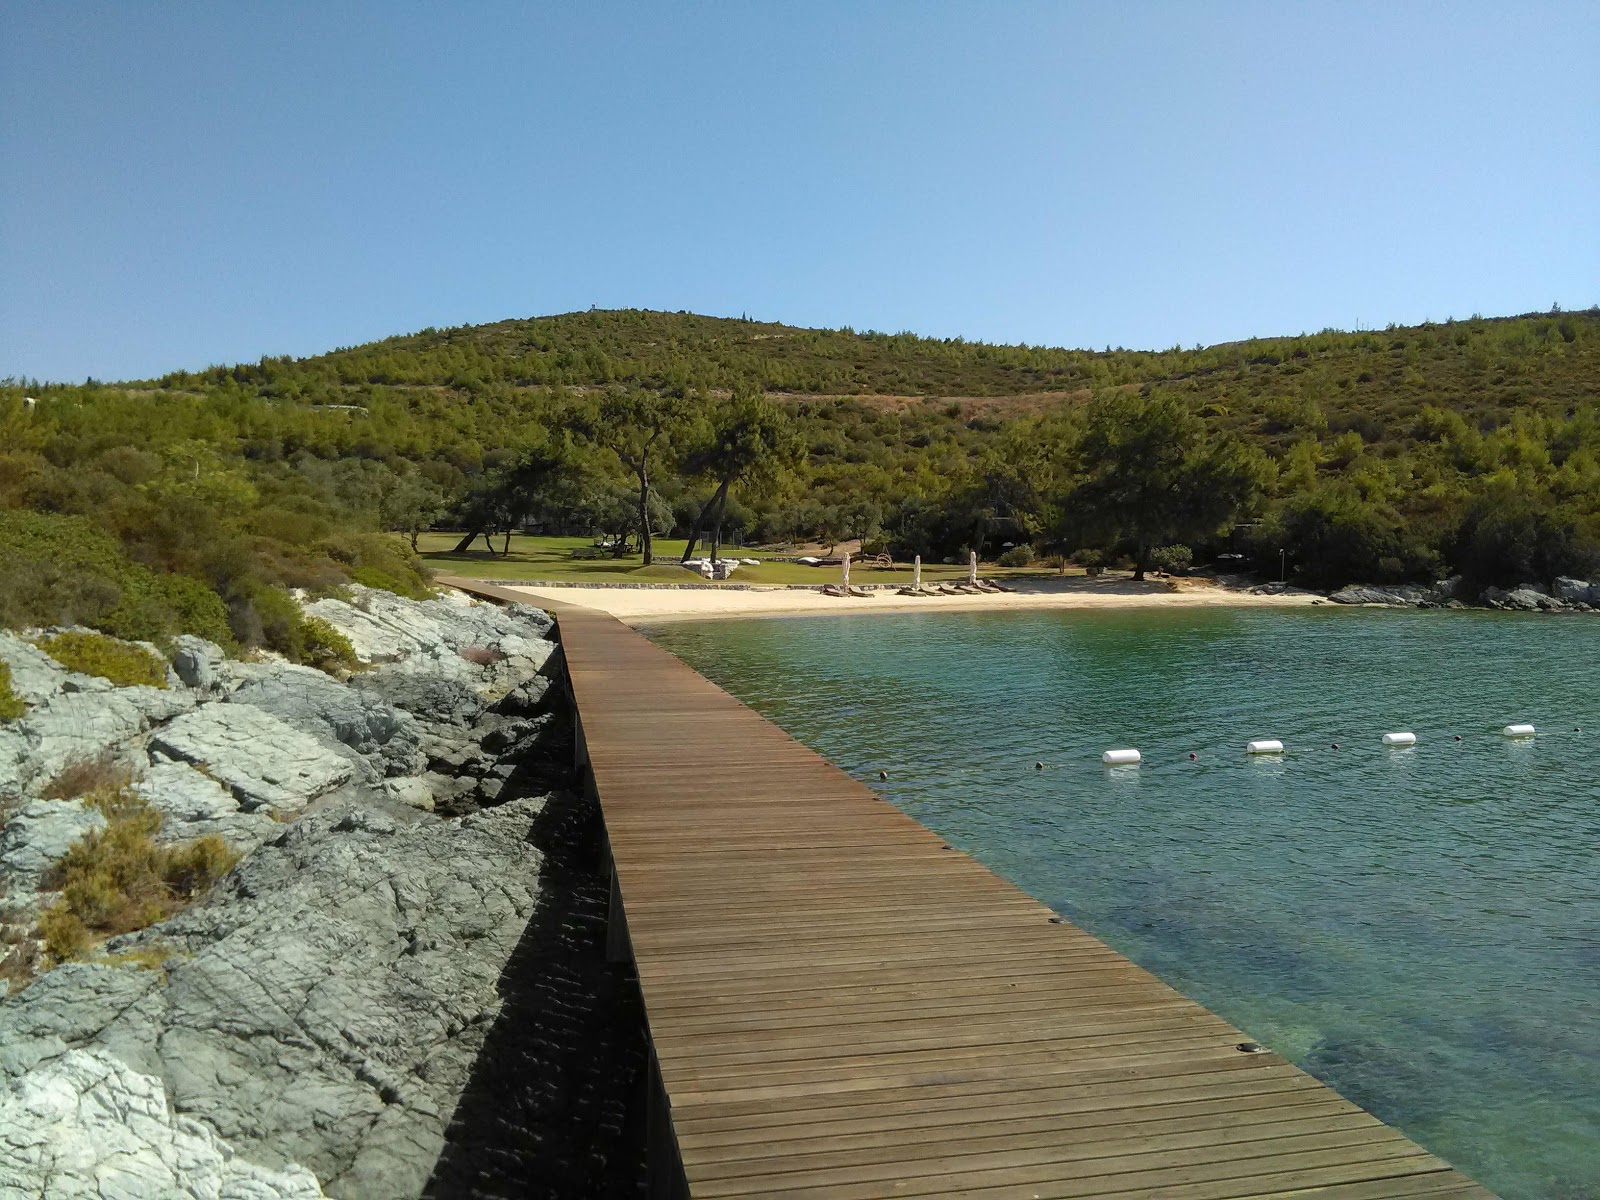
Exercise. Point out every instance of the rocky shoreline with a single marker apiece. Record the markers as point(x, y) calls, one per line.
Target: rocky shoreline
point(1567, 595)
point(401, 987)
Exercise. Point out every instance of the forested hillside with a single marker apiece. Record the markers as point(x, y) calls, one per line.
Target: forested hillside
point(1466, 447)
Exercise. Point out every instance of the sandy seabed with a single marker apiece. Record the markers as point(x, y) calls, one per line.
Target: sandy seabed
point(639, 606)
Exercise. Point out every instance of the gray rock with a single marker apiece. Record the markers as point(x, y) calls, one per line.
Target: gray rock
point(78, 727)
point(260, 759)
point(412, 790)
point(383, 627)
point(436, 699)
point(86, 1125)
point(38, 834)
point(15, 755)
point(193, 805)
point(517, 736)
point(526, 699)
point(1520, 599)
point(1569, 589)
point(326, 1002)
point(198, 663)
point(1404, 596)
point(384, 736)
point(35, 676)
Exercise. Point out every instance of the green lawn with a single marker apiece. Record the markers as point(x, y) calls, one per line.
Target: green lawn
point(551, 558)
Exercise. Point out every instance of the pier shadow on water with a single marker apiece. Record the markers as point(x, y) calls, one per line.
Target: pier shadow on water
point(554, 1105)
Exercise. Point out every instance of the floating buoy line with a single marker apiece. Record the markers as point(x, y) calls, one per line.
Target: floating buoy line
point(1274, 747)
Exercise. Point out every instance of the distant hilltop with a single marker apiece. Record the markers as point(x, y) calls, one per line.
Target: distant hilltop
point(684, 350)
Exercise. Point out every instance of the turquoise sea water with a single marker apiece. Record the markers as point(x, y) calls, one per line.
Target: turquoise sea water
point(1420, 928)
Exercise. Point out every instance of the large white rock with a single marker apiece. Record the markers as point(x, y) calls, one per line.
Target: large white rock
point(260, 759)
point(355, 723)
point(86, 1125)
point(383, 627)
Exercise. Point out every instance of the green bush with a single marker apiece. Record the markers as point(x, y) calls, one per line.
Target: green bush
point(61, 570)
point(11, 706)
point(96, 654)
point(273, 618)
point(1175, 560)
point(372, 577)
point(1019, 556)
point(325, 647)
point(281, 623)
point(382, 561)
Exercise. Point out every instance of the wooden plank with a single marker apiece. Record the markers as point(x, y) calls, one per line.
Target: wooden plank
point(842, 1006)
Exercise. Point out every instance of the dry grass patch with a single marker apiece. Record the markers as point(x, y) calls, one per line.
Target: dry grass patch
point(88, 778)
point(118, 879)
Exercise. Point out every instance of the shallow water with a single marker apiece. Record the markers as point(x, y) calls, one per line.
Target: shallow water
point(1420, 928)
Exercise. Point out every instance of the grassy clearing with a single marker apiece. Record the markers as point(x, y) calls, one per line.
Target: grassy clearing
point(551, 558)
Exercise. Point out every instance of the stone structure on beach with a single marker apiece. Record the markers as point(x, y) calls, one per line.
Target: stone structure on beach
point(314, 1024)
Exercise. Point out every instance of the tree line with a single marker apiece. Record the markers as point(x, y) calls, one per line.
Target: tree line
point(1467, 448)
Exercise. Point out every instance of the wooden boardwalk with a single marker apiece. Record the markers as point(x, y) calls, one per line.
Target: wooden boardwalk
point(842, 1006)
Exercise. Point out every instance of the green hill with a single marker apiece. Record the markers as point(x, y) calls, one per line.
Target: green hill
point(1382, 454)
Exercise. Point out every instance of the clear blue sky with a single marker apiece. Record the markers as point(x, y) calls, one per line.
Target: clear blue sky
point(184, 184)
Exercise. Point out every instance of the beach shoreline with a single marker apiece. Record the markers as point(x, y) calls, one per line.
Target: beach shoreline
point(641, 606)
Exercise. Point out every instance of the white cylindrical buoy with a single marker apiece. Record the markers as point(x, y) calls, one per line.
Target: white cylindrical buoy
point(1120, 758)
point(1264, 746)
point(1399, 739)
point(1518, 731)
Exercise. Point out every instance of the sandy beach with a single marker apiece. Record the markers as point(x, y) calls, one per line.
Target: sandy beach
point(640, 606)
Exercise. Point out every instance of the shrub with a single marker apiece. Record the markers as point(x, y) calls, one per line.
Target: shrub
point(1089, 558)
point(272, 617)
point(1018, 556)
point(281, 623)
point(11, 706)
point(1175, 560)
point(118, 879)
point(381, 561)
point(96, 654)
point(61, 570)
point(325, 647)
point(372, 577)
point(195, 608)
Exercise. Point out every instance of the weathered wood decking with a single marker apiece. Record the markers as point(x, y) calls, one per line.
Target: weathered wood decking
point(841, 1006)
